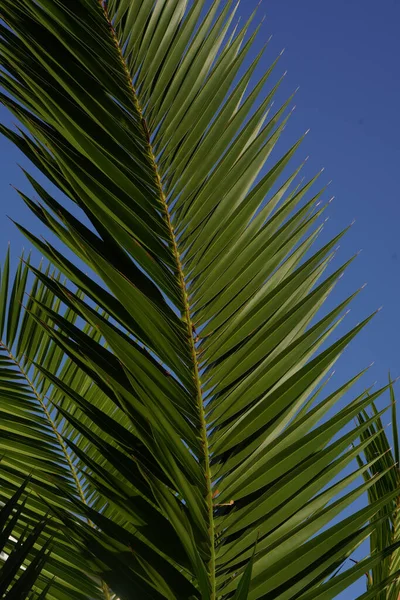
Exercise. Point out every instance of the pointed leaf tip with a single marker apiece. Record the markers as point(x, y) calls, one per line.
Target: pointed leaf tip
point(243, 589)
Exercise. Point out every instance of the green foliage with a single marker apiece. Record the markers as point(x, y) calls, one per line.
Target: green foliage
point(385, 573)
point(31, 440)
point(163, 380)
point(21, 563)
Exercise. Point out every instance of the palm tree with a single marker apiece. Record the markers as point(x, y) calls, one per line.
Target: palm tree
point(162, 381)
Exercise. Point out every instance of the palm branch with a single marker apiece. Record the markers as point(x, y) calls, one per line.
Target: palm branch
point(20, 563)
point(32, 435)
point(189, 423)
point(386, 532)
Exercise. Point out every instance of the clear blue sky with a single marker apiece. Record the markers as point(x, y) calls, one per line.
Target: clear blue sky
point(345, 57)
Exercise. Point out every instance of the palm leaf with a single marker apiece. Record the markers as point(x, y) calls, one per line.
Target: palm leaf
point(21, 564)
point(203, 290)
point(385, 573)
point(31, 439)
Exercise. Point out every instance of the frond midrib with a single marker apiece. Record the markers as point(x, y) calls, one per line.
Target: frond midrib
point(185, 314)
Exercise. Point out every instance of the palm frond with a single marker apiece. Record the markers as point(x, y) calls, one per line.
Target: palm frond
point(21, 563)
point(204, 291)
point(386, 533)
point(31, 435)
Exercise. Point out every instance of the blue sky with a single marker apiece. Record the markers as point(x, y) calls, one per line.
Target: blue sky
point(344, 55)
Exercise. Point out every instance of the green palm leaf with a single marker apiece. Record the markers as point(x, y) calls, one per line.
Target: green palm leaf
point(21, 563)
point(385, 573)
point(31, 439)
point(195, 421)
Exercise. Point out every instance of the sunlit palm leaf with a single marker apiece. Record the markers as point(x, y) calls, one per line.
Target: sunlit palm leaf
point(144, 116)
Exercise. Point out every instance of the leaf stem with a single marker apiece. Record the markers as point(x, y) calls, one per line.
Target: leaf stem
point(185, 314)
point(199, 397)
